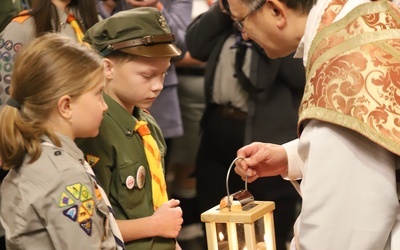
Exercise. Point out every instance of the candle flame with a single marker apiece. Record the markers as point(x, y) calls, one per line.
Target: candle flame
point(265, 237)
point(221, 236)
point(245, 248)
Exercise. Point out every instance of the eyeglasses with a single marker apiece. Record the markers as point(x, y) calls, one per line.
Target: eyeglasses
point(239, 23)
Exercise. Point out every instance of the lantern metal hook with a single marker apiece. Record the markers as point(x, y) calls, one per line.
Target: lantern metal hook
point(229, 203)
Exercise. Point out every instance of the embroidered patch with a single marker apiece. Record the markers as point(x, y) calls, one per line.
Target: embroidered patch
point(87, 226)
point(17, 47)
point(8, 67)
point(83, 214)
point(65, 200)
point(85, 193)
point(71, 212)
point(89, 206)
point(97, 192)
point(162, 22)
point(7, 78)
point(75, 190)
point(92, 160)
point(6, 56)
point(8, 45)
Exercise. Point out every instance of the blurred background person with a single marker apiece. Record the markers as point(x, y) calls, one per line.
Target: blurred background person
point(106, 7)
point(183, 149)
point(68, 17)
point(249, 97)
point(9, 9)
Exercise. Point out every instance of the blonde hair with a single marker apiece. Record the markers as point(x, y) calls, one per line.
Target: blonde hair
point(46, 69)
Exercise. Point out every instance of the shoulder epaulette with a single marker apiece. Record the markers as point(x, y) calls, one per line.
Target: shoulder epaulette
point(21, 17)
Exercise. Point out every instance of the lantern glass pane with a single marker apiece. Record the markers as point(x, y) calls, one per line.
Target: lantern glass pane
point(259, 229)
point(237, 238)
point(222, 236)
point(240, 235)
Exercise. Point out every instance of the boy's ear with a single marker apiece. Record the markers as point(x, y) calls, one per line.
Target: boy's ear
point(64, 107)
point(108, 68)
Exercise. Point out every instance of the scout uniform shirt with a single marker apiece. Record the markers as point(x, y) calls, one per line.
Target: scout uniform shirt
point(18, 33)
point(119, 162)
point(53, 203)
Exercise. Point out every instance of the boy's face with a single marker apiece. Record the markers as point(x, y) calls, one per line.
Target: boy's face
point(137, 82)
point(273, 26)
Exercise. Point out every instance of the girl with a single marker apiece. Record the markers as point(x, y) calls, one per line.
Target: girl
point(49, 200)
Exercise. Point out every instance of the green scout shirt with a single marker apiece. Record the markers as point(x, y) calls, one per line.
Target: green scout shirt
point(116, 156)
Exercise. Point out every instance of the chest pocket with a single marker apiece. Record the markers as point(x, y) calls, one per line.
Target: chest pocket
point(133, 180)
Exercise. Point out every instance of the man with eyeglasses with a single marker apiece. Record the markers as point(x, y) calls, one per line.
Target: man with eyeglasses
point(243, 88)
point(348, 148)
point(239, 23)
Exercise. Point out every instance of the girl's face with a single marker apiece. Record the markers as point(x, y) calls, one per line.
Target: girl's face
point(87, 112)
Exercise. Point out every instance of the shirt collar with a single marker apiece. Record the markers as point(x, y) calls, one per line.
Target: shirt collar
point(312, 24)
point(123, 118)
point(67, 145)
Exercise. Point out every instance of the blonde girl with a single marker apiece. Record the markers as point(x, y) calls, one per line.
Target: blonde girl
point(50, 200)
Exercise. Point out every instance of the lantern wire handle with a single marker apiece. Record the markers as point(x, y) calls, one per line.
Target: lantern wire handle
point(227, 180)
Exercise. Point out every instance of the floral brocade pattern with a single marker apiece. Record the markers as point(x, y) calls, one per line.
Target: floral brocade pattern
point(353, 75)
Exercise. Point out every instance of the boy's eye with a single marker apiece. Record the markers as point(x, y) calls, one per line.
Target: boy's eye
point(146, 76)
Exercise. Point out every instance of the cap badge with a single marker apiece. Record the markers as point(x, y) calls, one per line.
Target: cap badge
point(162, 21)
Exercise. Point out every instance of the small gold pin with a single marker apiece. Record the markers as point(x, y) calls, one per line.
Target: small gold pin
point(162, 21)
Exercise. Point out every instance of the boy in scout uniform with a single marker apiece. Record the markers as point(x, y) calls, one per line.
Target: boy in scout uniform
point(128, 154)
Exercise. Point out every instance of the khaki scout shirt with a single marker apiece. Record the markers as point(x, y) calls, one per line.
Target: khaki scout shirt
point(117, 157)
point(52, 203)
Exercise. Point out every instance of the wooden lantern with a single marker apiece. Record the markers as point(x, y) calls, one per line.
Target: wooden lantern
point(241, 224)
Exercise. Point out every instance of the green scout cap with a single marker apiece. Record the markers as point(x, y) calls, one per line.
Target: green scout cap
point(140, 31)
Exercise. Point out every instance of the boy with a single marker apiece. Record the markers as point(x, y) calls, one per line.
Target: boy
point(137, 46)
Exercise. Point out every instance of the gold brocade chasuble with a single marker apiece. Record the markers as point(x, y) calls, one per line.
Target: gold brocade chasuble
point(158, 184)
point(353, 72)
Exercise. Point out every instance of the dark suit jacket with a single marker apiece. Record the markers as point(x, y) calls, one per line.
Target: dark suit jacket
point(273, 113)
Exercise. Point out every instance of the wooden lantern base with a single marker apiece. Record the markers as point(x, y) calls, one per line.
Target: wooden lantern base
point(247, 218)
